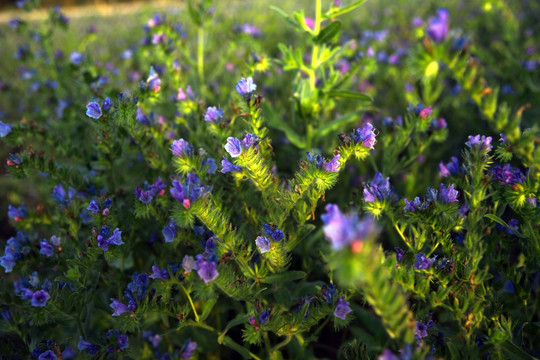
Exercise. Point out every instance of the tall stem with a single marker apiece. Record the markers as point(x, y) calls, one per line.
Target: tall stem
point(200, 54)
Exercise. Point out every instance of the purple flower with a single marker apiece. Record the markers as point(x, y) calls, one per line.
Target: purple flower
point(333, 165)
point(263, 244)
point(158, 273)
point(233, 146)
point(450, 169)
point(509, 287)
point(249, 140)
point(177, 191)
point(189, 263)
point(228, 166)
point(274, 232)
point(378, 189)
point(46, 248)
point(39, 298)
point(422, 262)
point(245, 87)
point(342, 230)
point(481, 142)
point(438, 27)
point(507, 175)
point(213, 114)
point(169, 231)
point(421, 330)
point(328, 293)
point(17, 214)
point(122, 342)
point(263, 318)
point(342, 308)
point(448, 195)
point(211, 165)
point(188, 349)
point(47, 355)
point(144, 196)
point(365, 135)
point(206, 270)
point(181, 148)
point(5, 129)
point(503, 138)
point(118, 308)
point(424, 113)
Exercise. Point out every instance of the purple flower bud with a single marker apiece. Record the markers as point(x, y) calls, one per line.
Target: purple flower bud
point(507, 175)
point(39, 298)
point(245, 87)
point(378, 189)
point(422, 262)
point(365, 135)
point(399, 254)
point(263, 318)
point(189, 263)
point(93, 110)
point(342, 308)
point(450, 169)
point(249, 140)
point(213, 114)
point(448, 195)
point(107, 104)
point(158, 273)
point(188, 349)
point(169, 231)
point(181, 148)
point(233, 147)
point(55, 240)
point(263, 244)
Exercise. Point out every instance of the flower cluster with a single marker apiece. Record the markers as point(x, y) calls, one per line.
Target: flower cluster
point(105, 238)
point(47, 247)
point(365, 135)
point(61, 197)
point(31, 289)
point(191, 190)
point(134, 293)
point(342, 308)
point(444, 195)
point(205, 263)
point(272, 231)
point(246, 87)
point(17, 214)
point(94, 207)
point(150, 191)
point(181, 148)
point(451, 168)
point(483, 142)
point(213, 114)
point(14, 250)
point(379, 189)
point(439, 26)
point(320, 162)
point(507, 175)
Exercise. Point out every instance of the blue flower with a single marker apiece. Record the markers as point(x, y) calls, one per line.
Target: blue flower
point(76, 58)
point(181, 148)
point(233, 146)
point(107, 104)
point(213, 114)
point(228, 166)
point(153, 82)
point(400, 253)
point(342, 308)
point(245, 87)
point(17, 214)
point(318, 160)
point(89, 347)
point(122, 342)
point(59, 194)
point(93, 207)
point(211, 165)
point(249, 140)
point(263, 318)
point(422, 262)
point(169, 231)
point(5, 129)
point(93, 110)
point(328, 293)
point(46, 248)
point(47, 355)
point(39, 298)
point(263, 244)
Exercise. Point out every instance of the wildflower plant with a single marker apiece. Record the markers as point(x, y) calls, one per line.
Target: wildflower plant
point(329, 193)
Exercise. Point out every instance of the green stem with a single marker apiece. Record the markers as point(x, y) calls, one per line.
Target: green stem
point(200, 54)
point(192, 305)
point(283, 343)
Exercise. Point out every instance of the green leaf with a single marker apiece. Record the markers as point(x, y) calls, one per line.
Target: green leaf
point(338, 11)
point(227, 341)
point(328, 33)
point(513, 352)
point(283, 277)
point(284, 15)
point(194, 14)
point(239, 319)
point(338, 124)
point(207, 308)
point(276, 122)
point(349, 95)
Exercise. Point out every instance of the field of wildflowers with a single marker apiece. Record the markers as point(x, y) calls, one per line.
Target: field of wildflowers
point(317, 179)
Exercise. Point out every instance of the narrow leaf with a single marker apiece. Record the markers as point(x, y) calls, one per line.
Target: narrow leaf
point(350, 95)
point(338, 11)
point(283, 277)
point(207, 308)
point(328, 33)
point(239, 319)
